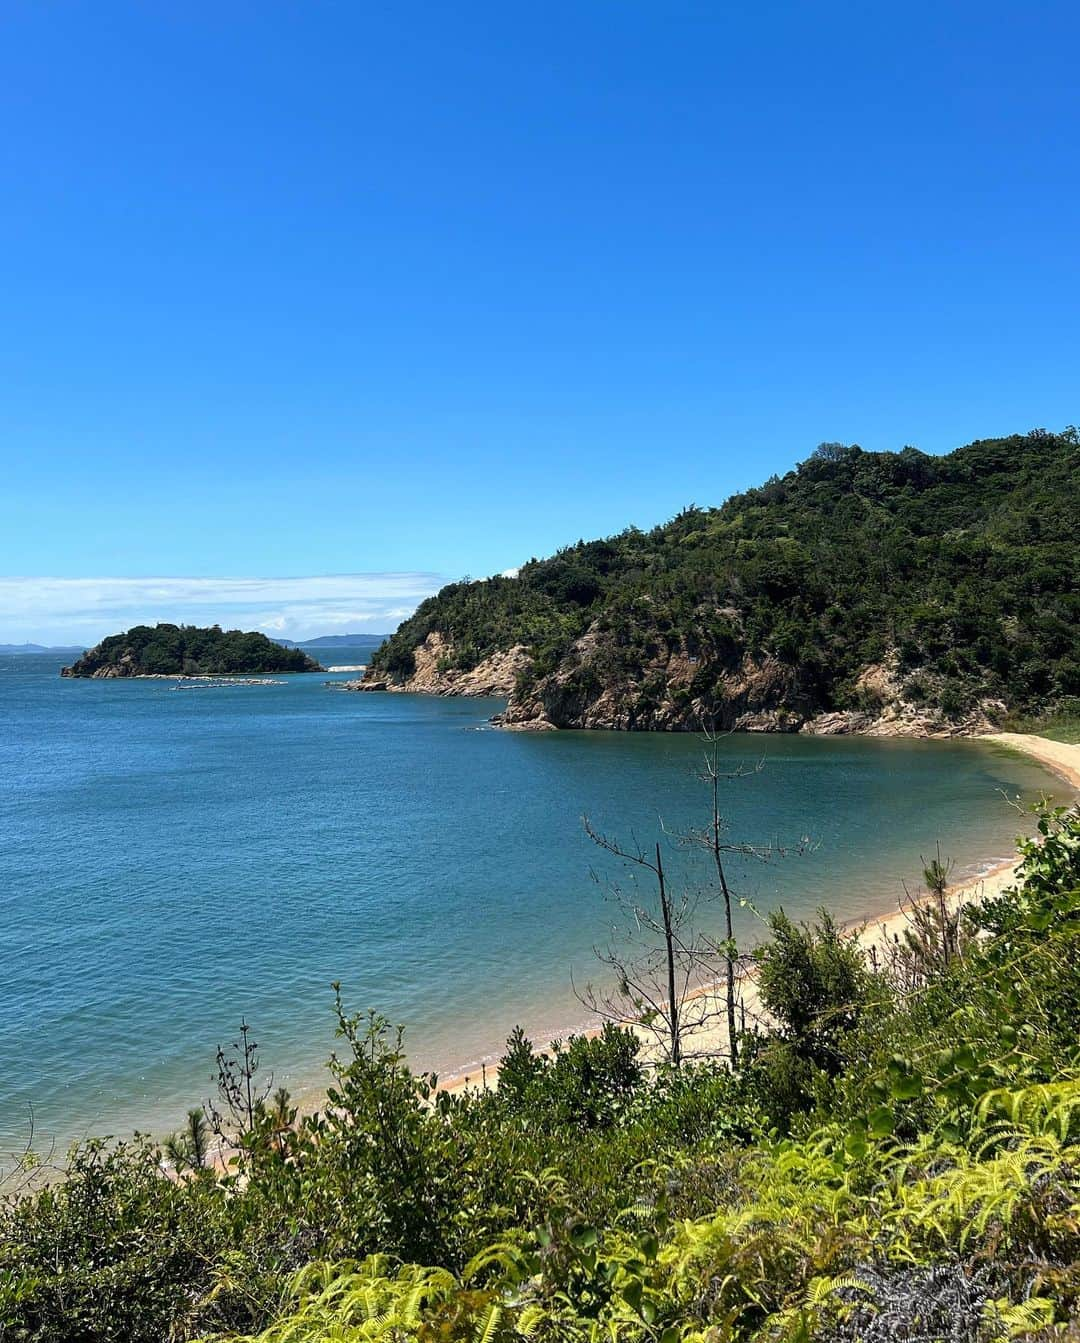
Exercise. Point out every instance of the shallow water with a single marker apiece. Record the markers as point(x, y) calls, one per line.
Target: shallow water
point(172, 860)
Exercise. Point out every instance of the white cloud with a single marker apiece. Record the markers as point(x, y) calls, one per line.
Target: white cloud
point(83, 610)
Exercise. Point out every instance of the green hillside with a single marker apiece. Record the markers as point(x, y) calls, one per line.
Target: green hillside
point(955, 579)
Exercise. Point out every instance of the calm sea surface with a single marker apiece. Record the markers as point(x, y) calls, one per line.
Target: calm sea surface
point(171, 860)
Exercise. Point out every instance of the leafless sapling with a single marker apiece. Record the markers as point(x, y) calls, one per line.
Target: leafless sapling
point(660, 970)
point(665, 970)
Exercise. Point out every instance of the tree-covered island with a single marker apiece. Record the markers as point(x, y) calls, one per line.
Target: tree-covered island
point(187, 650)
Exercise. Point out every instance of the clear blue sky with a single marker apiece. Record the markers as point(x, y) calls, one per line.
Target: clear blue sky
point(336, 288)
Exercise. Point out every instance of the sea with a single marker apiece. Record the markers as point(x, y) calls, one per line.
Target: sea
point(176, 859)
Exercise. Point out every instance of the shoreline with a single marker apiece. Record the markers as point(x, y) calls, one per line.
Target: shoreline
point(232, 678)
point(980, 879)
point(1059, 757)
point(874, 932)
point(710, 1041)
point(914, 729)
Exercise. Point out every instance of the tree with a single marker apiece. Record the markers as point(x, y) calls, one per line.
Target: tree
point(281, 1116)
point(189, 1148)
point(666, 982)
point(933, 937)
point(936, 876)
point(813, 981)
point(831, 452)
point(662, 969)
point(718, 848)
point(241, 1095)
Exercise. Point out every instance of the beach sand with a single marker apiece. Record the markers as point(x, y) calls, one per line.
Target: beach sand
point(1060, 756)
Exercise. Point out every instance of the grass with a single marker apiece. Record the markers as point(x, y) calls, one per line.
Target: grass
point(1062, 726)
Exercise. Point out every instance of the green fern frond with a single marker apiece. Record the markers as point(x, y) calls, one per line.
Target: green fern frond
point(821, 1289)
point(486, 1333)
point(1023, 1318)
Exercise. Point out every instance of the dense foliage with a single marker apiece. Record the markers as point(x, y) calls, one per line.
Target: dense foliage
point(960, 572)
point(186, 650)
point(887, 1164)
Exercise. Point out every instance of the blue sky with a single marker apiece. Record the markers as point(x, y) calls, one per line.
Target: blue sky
point(420, 290)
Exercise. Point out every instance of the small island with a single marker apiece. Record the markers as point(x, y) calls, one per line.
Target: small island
point(187, 650)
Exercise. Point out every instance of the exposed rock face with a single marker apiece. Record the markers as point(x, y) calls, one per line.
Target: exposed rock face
point(905, 720)
point(494, 677)
point(126, 665)
point(889, 713)
point(592, 688)
point(771, 720)
point(599, 685)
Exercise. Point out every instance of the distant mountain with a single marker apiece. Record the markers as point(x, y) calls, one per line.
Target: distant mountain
point(337, 641)
point(41, 648)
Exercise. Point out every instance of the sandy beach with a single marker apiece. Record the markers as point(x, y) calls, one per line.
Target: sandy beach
point(1060, 756)
point(710, 1039)
point(875, 934)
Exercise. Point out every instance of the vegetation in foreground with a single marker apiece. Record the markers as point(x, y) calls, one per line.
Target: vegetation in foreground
point(187, 650)
point(898, 1157)
point(942, 586)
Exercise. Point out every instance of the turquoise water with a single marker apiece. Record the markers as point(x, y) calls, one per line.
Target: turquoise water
point(172, 860)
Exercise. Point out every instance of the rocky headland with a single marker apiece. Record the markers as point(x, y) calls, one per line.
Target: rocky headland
point(888, 594)
point(756, 696)
point(436, 672)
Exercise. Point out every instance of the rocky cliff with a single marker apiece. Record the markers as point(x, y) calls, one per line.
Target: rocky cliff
point(676, 693)
point(435, 671)
point(126, 664)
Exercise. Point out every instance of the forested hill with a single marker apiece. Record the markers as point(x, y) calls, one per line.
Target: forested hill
point(185, 650)
point(862, 591)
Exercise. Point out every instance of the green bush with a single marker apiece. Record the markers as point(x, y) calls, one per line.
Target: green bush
point(586, 1082)
point(115, 1252)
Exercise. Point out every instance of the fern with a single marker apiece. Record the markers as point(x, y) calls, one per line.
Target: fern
point(1040, 1109)
point(1037, 1312)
